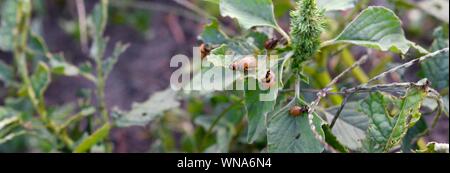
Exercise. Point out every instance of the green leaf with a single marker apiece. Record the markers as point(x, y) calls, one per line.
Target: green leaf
point(213, 35)
point(287, 134)
point(250, 13)
point(6, 73)
point(108, 64)
point(9, 125)
point(40, 79)
point(350, 128)
point(58, 64)
point(8, 121)
point(257, 110)
point(332, 140)
point(436, 69)
point(375, 27)
point(8, 20)
point(143, 113)
point(387, 127)
point(411, 136)
point(98, 48)
point(336, 5)
point(223, 139)
point(96, 137)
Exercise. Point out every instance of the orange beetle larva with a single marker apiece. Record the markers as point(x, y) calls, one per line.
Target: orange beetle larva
point(204, 50)
point(245, 64)
point(297, 111)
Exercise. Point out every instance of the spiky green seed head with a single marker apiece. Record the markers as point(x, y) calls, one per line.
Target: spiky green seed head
point(306, 28)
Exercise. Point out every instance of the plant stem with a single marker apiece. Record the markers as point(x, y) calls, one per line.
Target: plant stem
point(20, 47)
point(284, 34)
point(324, 77)
point(408, 64)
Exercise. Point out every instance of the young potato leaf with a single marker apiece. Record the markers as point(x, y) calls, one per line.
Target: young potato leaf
point(336, 5)
point(250, 13)
point(288, 134)
point(93, 139)
point(143, 113)
point(388, 127)
point(378, 28)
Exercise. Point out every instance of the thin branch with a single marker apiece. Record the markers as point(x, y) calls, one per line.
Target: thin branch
point(82, 24)
point(322, 94)
point(338, 113)
point(408, 64)
point(361, 61)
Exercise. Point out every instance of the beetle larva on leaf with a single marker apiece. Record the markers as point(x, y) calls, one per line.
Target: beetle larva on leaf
point(269, 80)
point(245, 64)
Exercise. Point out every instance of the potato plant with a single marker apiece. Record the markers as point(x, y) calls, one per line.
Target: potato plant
point(315, 106)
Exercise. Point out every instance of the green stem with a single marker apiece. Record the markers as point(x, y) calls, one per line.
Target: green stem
point(101, 91)
point(20, 46)
point(284, 34)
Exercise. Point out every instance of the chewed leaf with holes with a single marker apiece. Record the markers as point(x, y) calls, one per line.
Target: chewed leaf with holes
point(390, 118)
point(142, 113)
point(376, 27)
point(288, 134)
